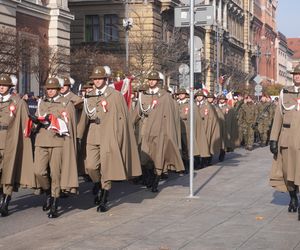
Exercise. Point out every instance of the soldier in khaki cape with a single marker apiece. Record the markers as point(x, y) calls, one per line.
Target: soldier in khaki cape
point(66, 92)
point(55, 146)
point(211, 125)
point(285, 142)
point(110, 145)
point(231, 125)
point(16, 158)
point(159, 135)
point(184, 107)
point(202, 138)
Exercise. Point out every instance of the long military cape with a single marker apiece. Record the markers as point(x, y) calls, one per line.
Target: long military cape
point(18, 157)
point(118, 155)
point(160, 142)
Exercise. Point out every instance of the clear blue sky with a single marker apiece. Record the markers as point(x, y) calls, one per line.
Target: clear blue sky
point(288, 17)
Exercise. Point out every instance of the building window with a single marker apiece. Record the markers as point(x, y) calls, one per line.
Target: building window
point(92, 28)
point(111, 31)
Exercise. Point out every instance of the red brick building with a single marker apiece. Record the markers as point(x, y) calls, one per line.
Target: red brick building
point(294, 44)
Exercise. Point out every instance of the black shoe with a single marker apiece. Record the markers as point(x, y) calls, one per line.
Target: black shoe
point(293, 206)
point(154, 188)
point(164, 176)
point(4, 202)
point(49, 200)
point(149, 177)
point(102, 208)
point(53, 209)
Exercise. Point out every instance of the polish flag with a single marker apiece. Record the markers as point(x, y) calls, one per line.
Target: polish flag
point(58, 125)
point(124, 86)
point(204, 89)
point(229, 97)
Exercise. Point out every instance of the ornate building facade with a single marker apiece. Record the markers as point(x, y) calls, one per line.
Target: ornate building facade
point(236, 48)
point(39, 25)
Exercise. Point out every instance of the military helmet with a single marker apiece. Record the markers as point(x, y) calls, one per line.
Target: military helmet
point(66, 81)
point(118, 74)
point(153, 75)
point(87, 85)
point(52, 83)
point(181, 91)
point(5, 80)
point(99, 72)
point(200, 93)
point(296, 69)
point(210, 95)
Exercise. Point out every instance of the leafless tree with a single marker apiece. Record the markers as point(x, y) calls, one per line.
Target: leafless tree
point(8, 50)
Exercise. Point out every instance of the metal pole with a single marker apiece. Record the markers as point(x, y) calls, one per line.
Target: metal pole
point(192, 17)
point(218, 56)
point(127, 37)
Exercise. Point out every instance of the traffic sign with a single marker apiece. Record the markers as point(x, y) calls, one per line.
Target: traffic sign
point(258, 79)
point(204, 15)
point(184, 69)
point(258, 88)
point(187, 2)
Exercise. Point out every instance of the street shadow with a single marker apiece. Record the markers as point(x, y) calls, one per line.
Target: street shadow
point(280, 198)
point(119, 193)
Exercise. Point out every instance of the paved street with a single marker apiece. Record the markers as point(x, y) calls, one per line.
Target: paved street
point(235, 209)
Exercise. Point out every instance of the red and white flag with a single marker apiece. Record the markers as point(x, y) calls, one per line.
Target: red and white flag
point(124, 86)
point(229, 97)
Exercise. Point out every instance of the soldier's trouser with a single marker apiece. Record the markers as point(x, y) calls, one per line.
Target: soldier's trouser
point(184, 146)
point(6, 189)
point(289, 184)
point(93, 166)
point(249, 135)
point(48, 157)
point(263, 132)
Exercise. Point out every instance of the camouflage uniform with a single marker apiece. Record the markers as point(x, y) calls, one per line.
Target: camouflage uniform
point(264, 120)
point(248, 114)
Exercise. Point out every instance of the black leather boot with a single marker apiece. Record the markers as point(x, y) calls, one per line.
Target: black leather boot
point(154, 188)
point(49, 200)
point(222, 155)
point(4, 202)
point(96, 188)
point(150, 178)
point(53, 209)
point(103, 202)
point(293, 206)
point(98, 197)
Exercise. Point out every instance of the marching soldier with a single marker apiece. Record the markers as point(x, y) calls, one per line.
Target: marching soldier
point(248, 115)
point(184, 107)
point(110, 145)
point(66, 92)
point(264, 120)
point(55, 146)
point(205, 134)
point(159, 134)
point(237, 106)
point(16, 158)
point(285, 142)
point(231, 125)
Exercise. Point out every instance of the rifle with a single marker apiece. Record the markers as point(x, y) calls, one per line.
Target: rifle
point(259, 117)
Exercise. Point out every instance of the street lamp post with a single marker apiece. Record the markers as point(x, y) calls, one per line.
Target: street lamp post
point(127, 24)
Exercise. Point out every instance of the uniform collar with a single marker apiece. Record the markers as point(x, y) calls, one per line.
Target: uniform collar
point(5, 97)
point(64, 95)
point(154, 90)
point(183, 101)
point(101, 91)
